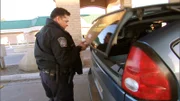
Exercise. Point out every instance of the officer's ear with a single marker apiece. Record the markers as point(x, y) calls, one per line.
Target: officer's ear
point(57, 19)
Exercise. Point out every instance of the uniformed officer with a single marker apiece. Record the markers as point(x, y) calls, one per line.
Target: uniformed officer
point(57, 56)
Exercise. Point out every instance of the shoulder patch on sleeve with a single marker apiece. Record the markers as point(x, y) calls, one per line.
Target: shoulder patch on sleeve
point(62, 41)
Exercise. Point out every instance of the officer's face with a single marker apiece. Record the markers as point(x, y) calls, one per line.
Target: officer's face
point(63, 21)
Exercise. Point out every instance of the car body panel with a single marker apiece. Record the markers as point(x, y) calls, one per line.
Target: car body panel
point(94, 93)
point(129, 98)
point(103, 78)
point(154, 41)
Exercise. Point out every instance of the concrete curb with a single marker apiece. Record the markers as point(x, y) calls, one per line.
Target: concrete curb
point(19, 77)
point(29, 76)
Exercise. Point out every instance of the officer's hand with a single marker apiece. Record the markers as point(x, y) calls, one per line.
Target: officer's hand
point(83, 45)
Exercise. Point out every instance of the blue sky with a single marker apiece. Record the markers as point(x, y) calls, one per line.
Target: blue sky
point(25, 9)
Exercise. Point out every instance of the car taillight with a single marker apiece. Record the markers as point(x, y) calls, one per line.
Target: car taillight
point(143, 78)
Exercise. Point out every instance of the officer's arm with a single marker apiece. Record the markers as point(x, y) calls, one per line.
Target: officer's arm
point(65, 55)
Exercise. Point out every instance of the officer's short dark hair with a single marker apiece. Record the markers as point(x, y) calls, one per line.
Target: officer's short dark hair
point(58, 11)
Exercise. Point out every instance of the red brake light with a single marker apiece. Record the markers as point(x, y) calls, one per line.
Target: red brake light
point(143, 78)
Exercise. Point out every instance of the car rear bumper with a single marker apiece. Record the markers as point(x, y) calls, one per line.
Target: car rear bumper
point(93, 91)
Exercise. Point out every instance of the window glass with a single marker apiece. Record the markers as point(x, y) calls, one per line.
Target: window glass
point(103, 29)
point(104, 37)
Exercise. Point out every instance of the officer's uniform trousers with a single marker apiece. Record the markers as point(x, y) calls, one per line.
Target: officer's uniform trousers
point(58, 91)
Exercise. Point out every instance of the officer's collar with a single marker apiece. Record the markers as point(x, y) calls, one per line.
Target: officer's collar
point(51, 21)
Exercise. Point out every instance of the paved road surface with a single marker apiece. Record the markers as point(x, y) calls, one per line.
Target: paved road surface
point(33, 91)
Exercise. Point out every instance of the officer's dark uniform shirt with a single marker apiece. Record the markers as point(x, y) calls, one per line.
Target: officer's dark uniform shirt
point(55, 46)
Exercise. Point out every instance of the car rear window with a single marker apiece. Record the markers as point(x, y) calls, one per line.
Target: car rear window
point(103, 26)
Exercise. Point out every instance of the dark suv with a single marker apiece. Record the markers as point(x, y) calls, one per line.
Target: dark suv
point(135, 55)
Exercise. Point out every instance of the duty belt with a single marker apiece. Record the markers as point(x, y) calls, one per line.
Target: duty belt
point(50, 72)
